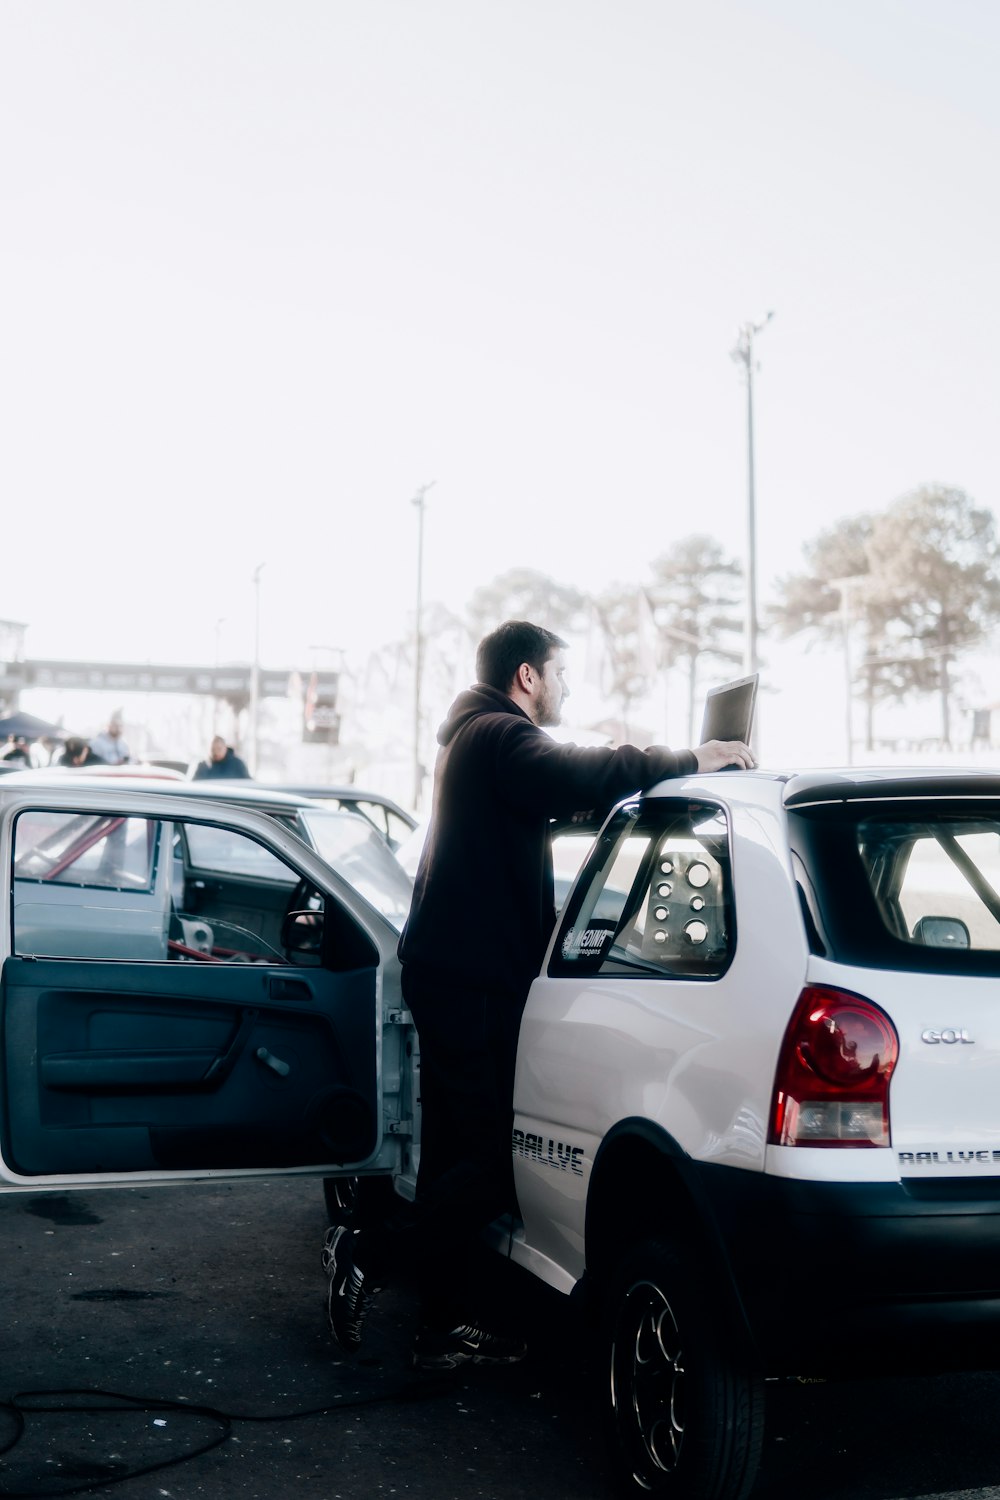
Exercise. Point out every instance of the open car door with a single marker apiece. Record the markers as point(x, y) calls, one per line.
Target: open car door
point(188, 990)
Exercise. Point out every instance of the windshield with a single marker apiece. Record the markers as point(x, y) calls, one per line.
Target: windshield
point(353, 848)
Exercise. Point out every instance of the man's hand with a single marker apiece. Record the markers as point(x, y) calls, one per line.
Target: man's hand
point(714, 754)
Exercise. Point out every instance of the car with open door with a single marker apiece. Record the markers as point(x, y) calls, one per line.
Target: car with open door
point(189, 990)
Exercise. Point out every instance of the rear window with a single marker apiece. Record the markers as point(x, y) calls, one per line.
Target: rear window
point(908, 885)
point(935, 881)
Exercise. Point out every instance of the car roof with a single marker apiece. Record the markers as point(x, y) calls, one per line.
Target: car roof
point(131, 768)
point(801, 788)
point(323, 791)
point(247, 793)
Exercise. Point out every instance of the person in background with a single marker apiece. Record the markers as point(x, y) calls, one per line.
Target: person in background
point(16, 752)
point(45, 752)
point(222, 762)
point(109, 744)
point(78, 753)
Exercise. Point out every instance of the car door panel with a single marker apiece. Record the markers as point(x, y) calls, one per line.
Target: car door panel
point(150, 1067)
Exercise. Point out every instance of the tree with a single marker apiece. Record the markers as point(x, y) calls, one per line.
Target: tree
point(696, 597)
point(524, 594)
point(618, 613)
point(922, 579)
point(935, 563)
point(835, 592)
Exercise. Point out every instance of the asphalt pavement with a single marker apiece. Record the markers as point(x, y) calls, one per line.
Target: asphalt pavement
point(203, 1306)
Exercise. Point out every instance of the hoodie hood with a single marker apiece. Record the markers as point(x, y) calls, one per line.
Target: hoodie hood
point(470, 704)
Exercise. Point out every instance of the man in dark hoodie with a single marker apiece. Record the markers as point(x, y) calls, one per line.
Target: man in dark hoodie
point(482, 913)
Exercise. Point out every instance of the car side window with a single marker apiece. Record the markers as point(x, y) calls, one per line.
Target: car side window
point(655, 899)
point(95, 850)
point(227, 852)
point(89, 885)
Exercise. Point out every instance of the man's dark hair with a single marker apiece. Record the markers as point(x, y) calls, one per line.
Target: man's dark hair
point(515, 641)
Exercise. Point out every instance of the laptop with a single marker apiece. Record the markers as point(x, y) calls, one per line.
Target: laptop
point(729, 710)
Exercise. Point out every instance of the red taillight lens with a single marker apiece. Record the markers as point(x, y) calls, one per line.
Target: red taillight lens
point(832, 1083)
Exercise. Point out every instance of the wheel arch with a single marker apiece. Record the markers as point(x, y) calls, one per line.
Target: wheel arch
point(643, 1185)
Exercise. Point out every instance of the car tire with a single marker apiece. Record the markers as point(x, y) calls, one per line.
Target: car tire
point(684, 1409)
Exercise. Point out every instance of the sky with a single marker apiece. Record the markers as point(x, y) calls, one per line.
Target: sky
point(267, 267)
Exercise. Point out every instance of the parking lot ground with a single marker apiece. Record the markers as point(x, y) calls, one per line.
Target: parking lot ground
point(211, 1295)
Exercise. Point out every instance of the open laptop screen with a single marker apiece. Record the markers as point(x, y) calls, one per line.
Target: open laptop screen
point(729, 710)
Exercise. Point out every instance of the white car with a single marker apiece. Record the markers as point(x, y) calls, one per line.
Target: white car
point(756, 1107)
point(756, 1101)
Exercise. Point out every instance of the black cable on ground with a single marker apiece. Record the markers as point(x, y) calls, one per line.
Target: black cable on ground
point(28, 1403)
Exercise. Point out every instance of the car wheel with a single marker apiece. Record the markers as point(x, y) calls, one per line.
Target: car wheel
point(684, 1409)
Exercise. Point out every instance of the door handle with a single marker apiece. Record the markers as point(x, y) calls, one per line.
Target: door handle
point(289, 989)
point(224, 1064)
point(274, 1063)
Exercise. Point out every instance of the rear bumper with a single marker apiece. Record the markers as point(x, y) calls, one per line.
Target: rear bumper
point(838, 1275)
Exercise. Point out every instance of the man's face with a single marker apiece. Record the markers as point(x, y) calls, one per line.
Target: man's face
point(218, 749)
point(552, 692)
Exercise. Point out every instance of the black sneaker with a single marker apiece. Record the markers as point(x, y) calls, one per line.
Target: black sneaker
point(434, 1349)
point(348, 1300)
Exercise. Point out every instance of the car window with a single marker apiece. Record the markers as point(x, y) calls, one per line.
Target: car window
point(90, 849)
point(225, 850)
point(359, 854)
point(936, 882)
point(655, 896)
point(569, 850)
point(92, 885)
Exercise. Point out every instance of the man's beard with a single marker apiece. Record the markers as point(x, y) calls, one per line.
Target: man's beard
point(549, 711)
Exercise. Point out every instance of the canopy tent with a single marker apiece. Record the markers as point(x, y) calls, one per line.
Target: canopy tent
point(26, 726)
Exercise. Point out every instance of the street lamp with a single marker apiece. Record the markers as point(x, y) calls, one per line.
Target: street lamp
point(255, 672)
point(418, 654)
point(743, 355)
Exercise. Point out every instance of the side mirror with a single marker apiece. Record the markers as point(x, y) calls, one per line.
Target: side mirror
point(941, 932)
point(302, 932)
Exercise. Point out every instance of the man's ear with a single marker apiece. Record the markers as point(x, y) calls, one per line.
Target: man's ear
point(523, 677)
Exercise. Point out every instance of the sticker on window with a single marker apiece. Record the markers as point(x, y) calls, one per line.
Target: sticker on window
point(589, 942)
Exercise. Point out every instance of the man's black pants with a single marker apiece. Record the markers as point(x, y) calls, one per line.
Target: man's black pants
point(468, 1034)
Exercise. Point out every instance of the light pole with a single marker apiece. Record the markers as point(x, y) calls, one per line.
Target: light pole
point(743, 355)
point(255, 672)
point(420, 502)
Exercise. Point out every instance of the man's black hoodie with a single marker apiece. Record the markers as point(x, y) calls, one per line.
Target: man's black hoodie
point(483, 904)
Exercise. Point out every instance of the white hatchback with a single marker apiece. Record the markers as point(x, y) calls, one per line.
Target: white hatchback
point(756, 1108)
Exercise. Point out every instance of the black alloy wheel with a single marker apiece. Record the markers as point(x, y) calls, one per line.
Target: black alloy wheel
point(684, 1410)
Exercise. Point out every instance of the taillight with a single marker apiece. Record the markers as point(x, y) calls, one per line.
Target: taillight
point(832, 1083)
